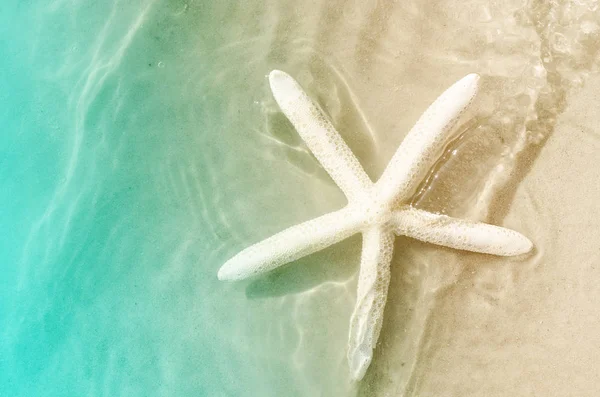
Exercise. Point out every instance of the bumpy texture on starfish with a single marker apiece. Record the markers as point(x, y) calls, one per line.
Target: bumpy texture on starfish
point(377, 210)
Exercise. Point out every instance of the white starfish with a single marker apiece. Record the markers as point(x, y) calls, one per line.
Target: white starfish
point(377, 210)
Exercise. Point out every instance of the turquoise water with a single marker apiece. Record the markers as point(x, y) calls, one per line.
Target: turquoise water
point(128, 177)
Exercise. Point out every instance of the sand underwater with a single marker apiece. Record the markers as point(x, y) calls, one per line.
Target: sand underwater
point(140, 148)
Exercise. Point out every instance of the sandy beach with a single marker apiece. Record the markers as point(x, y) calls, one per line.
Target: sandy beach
point(500, 327)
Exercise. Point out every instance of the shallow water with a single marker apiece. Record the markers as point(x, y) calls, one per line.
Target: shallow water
point(141, 148)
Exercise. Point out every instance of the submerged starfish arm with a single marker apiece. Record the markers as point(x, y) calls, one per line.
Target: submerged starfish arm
point(373, 282)
point(460, 234)
point(319, 135)
point(425, 140)
point(293, 243)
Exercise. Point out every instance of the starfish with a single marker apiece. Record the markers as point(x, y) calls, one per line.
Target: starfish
point(377, 210)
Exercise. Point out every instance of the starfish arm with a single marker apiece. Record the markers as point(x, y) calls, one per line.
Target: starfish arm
point(425, 140)
point(460, 234)
point(320, 135)
point(373, 281)
point(291, 244)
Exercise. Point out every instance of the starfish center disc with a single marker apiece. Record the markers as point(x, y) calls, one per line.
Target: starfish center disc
point(376, 213)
